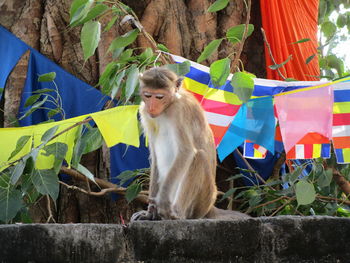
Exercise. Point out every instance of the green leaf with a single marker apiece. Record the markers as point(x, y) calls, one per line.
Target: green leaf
point(46, 182)
point(302, 41)
point(322, 10)
point(79, 9)
point(328, 29)
point(147, 54)
point(181, 69)
point(90, 37)
point(10, 203)
point(132, 81)
point(234, 177)
point(92, 140)
point(18, 171)
point(235, 34)
point(132, 191)
point(43, 90)
point(305, 193)
point(126, 176)
point(31, 100)
point(47, 77)
point(336, 63)
point(109, 71)
point(117, 52)
point(53, 112)
point(110, 23)
point(325, 178)
point(57, 149)
point(117, 83)
point(228, 194)
point(309, 59)
point(276, 66)
point(219, 71)
point(343, 212)
point(243, 85)
point(83, 170)
point(79, 146)
point(209, 49)
point(19, 145)
point(290, 79)
point(93, 13)
point(218, 5)
point(49, 134)
point(30, 165)
point(162, 47)
point(293, 176)
point(342, 20)
point(124, 40)
point(126, 55)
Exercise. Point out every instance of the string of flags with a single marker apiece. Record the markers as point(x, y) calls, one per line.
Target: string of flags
point(108, 122)
point(311, 115)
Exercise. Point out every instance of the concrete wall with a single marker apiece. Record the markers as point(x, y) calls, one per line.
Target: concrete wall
point(279, 239)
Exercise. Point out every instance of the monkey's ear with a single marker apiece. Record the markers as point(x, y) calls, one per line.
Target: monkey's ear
point(178, 83)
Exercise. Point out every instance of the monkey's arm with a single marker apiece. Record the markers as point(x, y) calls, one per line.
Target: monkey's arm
point(151, 213)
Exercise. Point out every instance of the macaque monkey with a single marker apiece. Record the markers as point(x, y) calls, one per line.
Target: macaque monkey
point(182, 149)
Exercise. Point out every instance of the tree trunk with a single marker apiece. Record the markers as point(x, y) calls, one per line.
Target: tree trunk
point(183, 26)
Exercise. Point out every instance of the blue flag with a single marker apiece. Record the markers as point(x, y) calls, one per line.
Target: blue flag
point(254, 121)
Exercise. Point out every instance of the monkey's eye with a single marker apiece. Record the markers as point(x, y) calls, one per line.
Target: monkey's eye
point(159, 97)
point(147, 95)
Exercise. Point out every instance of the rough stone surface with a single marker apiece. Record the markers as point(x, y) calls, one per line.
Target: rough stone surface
point(279, 239)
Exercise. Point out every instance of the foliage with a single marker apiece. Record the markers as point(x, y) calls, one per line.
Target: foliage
point(306, 190)
point(47, 95)
point(314, 192)
point(136, 180)
point(334, 27)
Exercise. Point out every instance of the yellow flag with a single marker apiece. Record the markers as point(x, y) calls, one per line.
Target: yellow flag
point(8, 142)
point(118, 125)
point(47, 162)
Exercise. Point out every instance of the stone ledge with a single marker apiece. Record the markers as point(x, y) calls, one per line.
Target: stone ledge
point(278, 239)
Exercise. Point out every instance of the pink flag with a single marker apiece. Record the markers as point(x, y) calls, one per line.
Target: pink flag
point(303, 112)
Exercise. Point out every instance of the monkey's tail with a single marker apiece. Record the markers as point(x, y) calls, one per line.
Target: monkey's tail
point(217, 213)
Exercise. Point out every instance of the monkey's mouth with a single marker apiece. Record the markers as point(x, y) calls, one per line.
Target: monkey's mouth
point(153, 115)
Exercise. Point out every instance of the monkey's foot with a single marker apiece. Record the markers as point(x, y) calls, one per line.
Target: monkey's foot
point(144, 215)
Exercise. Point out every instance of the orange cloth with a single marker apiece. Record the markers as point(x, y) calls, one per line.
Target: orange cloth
point(286, 22)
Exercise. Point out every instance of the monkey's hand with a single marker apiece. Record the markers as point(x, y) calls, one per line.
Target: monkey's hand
point(150, 214)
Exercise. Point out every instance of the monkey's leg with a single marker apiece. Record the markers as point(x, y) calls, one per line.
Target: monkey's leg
point(197, 191)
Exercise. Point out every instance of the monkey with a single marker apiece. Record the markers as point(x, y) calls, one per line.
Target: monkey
point(182, 151)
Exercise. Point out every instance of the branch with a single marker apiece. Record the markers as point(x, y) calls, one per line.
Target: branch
point(270, 53)
point(332, 199)
point(252, 169)
point(244, 38)
point(107, 187)
point(343, 184)
point(278, 165)
point(135, 20)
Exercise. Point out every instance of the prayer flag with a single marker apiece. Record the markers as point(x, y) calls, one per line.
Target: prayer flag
point(341, 121)
point(253, 151)
point(254, 121)
point(119, 125)
point(304, 112)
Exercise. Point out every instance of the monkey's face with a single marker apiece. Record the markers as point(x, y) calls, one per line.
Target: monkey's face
point(156, 100)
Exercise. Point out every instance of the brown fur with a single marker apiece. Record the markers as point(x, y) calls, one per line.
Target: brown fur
point(195, 161)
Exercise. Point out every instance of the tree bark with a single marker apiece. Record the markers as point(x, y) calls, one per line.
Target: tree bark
point(183, 26)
